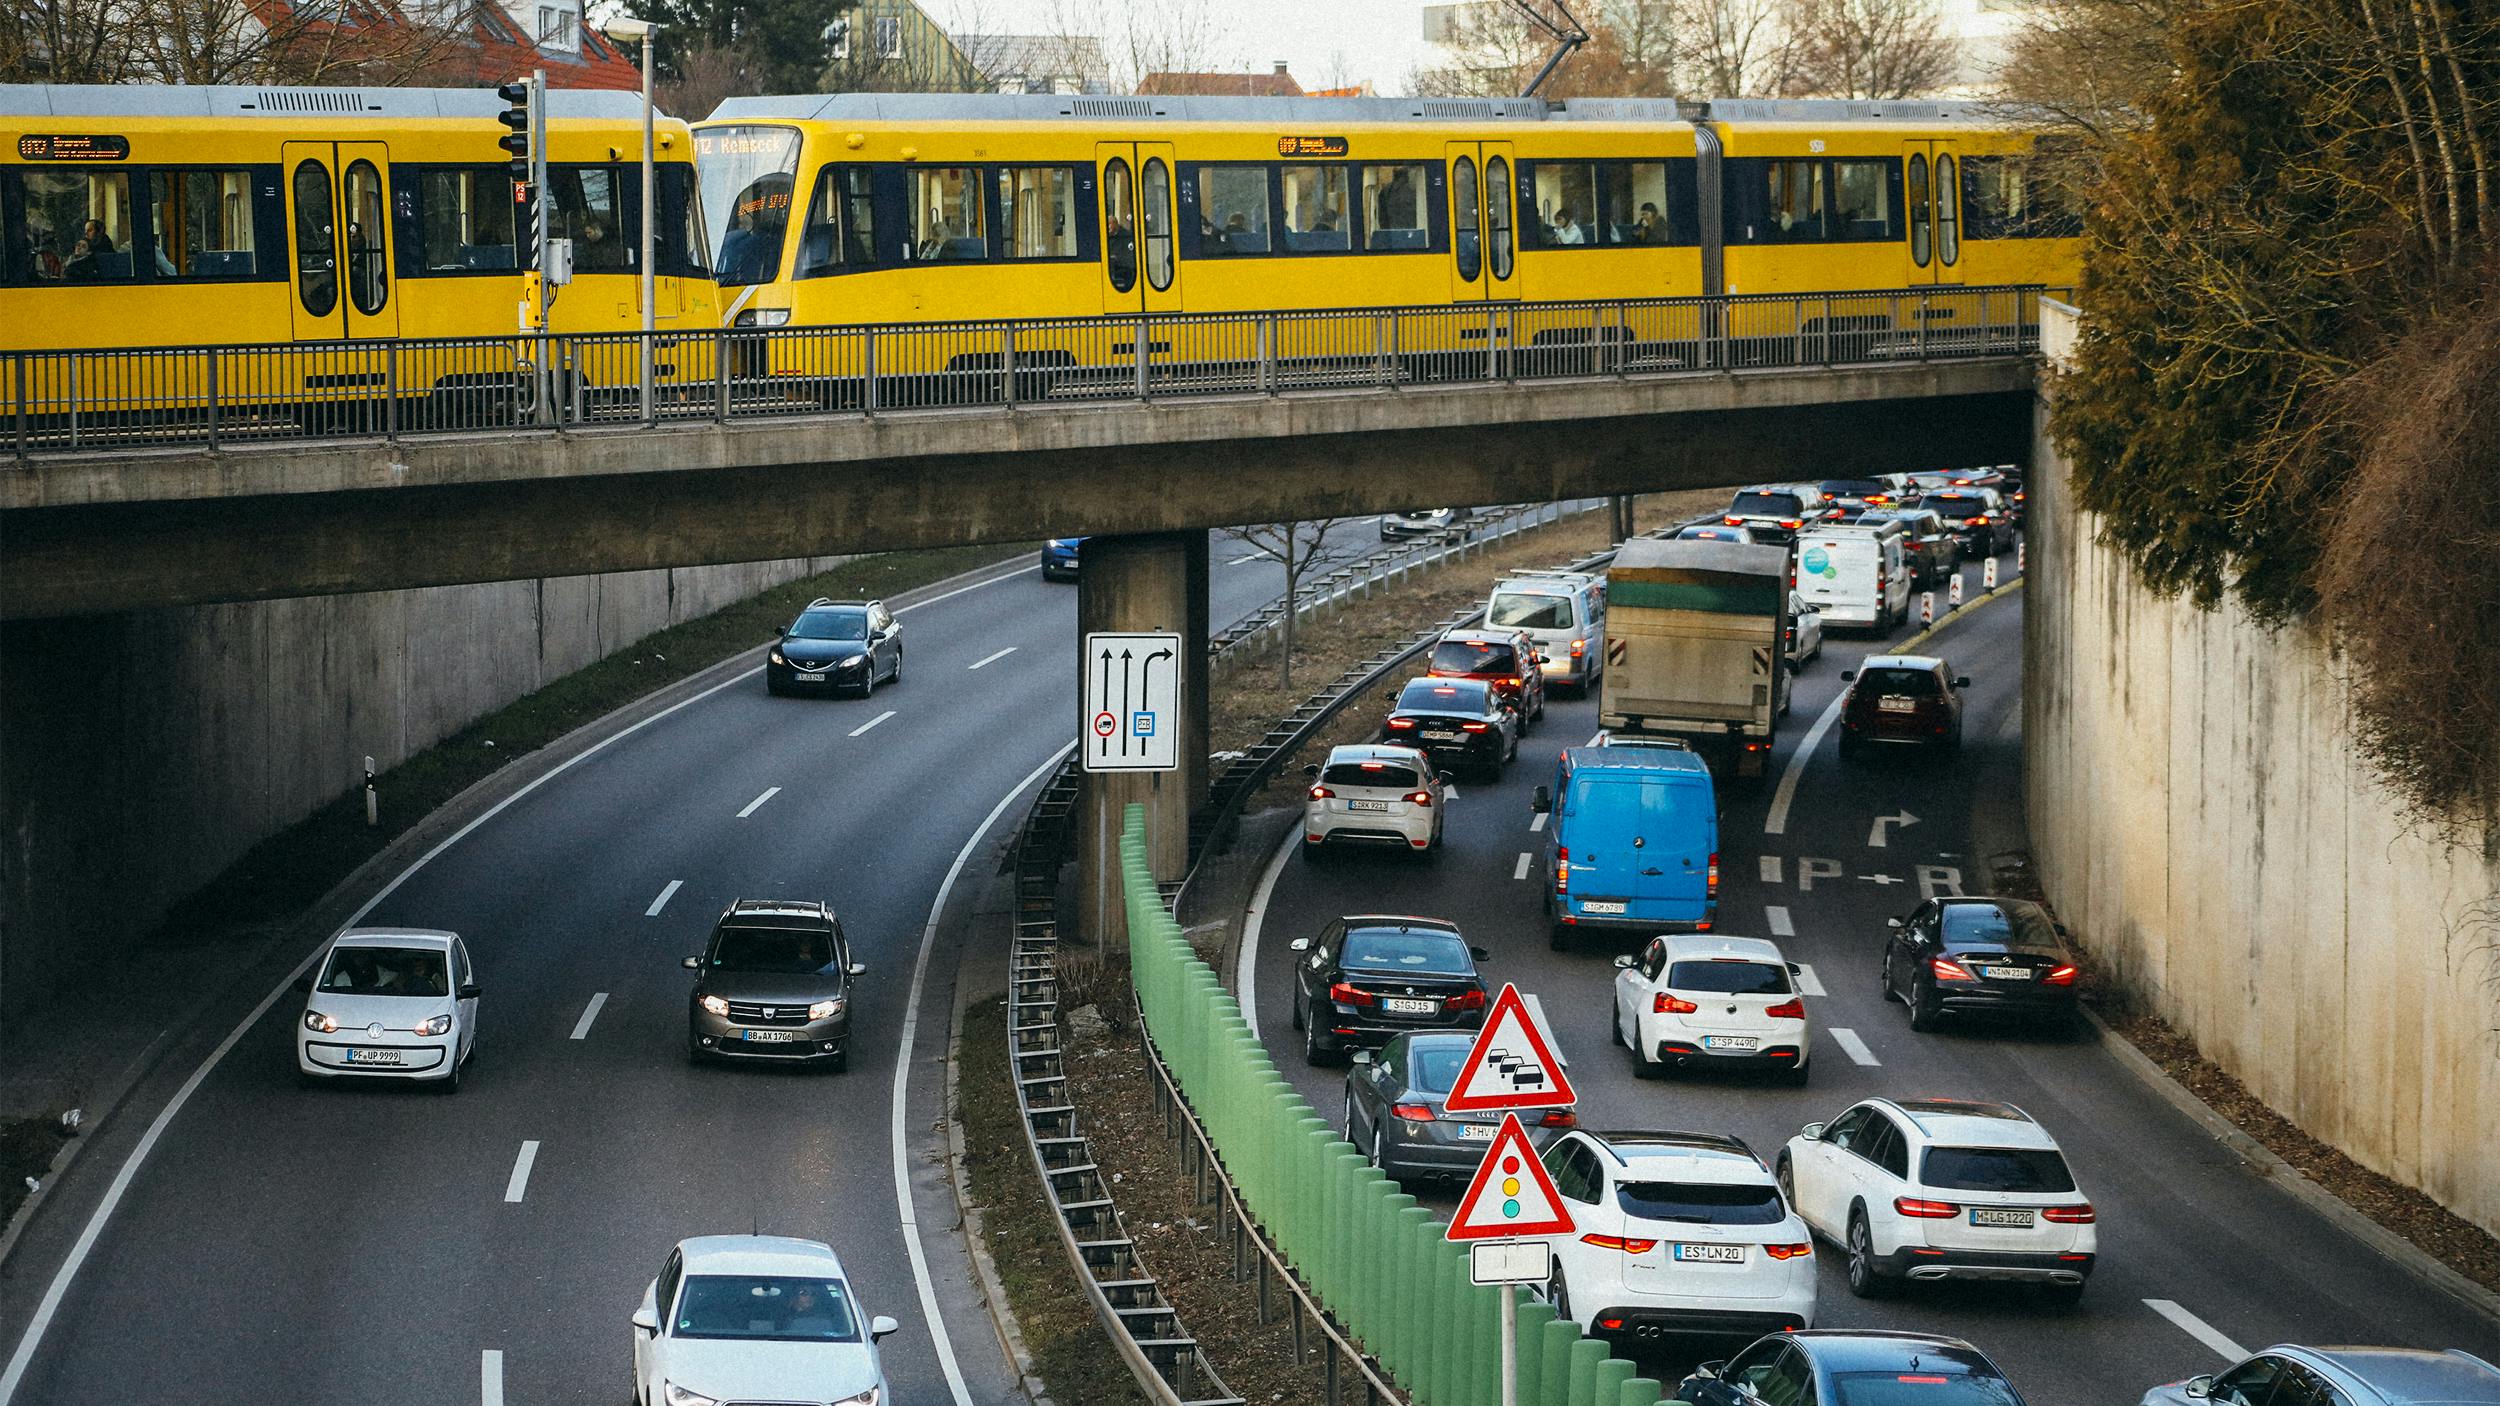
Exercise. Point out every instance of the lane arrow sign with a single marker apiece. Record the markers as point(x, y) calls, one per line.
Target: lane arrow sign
point(1875, 835)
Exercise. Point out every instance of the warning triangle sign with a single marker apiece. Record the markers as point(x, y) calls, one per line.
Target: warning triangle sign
point(1511, 1065)
point(1511, 1195)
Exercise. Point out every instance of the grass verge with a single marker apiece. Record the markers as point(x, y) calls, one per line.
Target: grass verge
point(27, 1146)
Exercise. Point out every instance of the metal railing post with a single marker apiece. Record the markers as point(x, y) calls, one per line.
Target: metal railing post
point(1492, 355)
point(1924, 308)
point(1827, 329)
point(580, 399)
point(1141, 359)
point(212, 404)
point(1267, 354)
point(74, 415)
point(390, 392)
point(868, 372)
point(1007, 365)
point(720, 377)
point(20, 359)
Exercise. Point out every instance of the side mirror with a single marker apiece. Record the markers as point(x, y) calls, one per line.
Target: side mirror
point(469, 991)
point(1299, 944)
point(1795, 970)
point(1961, 681)
point(1711, 1369)
point(303, 986)
point(1541, 801)
point(1846, 675)
point(1361, 1057)
point(647, 1318)
point(881, 1326)
point(856, 969)
point(1811, 1132)
point(1312, 771)
point(1479, 953)
point(2198, 1388)
point(692, 964)
point(1623, 960)
point(1893, 923)
point(1445, 777)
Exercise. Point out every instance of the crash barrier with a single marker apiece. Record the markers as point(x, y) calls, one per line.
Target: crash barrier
point(1372, 1259)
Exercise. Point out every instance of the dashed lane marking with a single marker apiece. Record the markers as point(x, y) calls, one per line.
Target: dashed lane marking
point(996, 657)
point(675, 884)
point(1770, 868)
point(1536, 823)
point(581, 1028)
point(490, 1378)
point(872, 722)
point(1520, 870)
point(519, 1185)
point(758, 803)
point(1808, 983)
point(2198, 1329)
point(1852, 1046)
point(1777, 917)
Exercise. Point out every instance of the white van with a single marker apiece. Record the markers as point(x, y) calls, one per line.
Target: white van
point(1856, 575)
point(1564, 612)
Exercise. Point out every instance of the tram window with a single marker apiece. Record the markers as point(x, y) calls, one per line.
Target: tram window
point(316, 267)
point(1119, 237)
point(591, 210)
point(947, 214)
point(678, 249)
point(465, 218)
point(1795, 211)
point(2004, 197)
point(368, 265)
point(1948, 211)
point(1633, 202)
point(1566, 203)
point(1463, 228)
point(1155, 207)
point(1232, 211)
point(1917, 199)
point(203, 224)
point(1315, 213)
point(1500, 204)
point(1395, 216)
point(1037, 204)
point(1862, 201)
point(748, 176)
point(841, 229)
point(78, 226)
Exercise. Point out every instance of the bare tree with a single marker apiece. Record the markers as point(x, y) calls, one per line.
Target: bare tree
point(708, 73)
point(220, 41)
point(1740, 48)
point(1495, 50)
point(1296, 546)
point(1871, 48)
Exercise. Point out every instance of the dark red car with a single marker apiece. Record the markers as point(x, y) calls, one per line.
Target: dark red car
point(1912, 698)
point(1506, 659)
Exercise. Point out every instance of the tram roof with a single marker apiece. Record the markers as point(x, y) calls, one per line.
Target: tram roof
point(201, 100)
point(1046, 107)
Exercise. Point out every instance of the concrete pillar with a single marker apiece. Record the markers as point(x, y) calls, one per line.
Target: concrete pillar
point(1146, 581)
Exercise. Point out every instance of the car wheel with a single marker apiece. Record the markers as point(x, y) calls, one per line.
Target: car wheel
point(1297, 1014)
point(450, 1083)
point(1795, 1078)
point(2062, 1297)
point(1925, 1013)
point(841, 1061)
point(1311, 852)
point(1866, 1278)
point(868, 681)
point(1558, 937)
point(1886, 993)
point(1787, 1177)
point(773, 685)
point(1558, 1294)
point(897, 675)
point(1312, 1052)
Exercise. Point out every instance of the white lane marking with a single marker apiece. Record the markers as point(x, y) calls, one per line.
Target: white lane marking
point(1851, 1045)
point(758, 803)
point(1776, 823)
point(1013, 573)
point(1246, 966)
point(1536, 1013)
point(519, 1185)
point(490, 1377)
point(1520, 870)
point(872, 722)
point(909, 1224)
point(1777, 916)
point(996, 657)
point(1770, 868)
point(1536, 822)
point(1807, 982)
point(2198, 1329)
point(1875, 835)
point(674, 885)
point(581, 1027)
point(58, 1289)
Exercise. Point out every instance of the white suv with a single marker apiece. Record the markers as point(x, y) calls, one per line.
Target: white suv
point(1374, 794)
point(1942, 1189)
point(1564, 614)
point(1680, 1235)
point(1704, 999)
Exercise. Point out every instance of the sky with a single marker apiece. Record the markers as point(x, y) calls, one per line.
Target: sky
point(1327, 43)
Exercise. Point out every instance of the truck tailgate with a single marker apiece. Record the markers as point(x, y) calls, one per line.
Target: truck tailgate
point(1688, 665)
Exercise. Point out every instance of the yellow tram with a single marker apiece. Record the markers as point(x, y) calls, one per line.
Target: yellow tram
point(333, 221)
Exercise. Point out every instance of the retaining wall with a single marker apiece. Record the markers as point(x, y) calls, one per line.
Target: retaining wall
point(2198, 815)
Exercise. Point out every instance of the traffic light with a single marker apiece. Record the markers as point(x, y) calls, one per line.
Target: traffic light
point(516, 116)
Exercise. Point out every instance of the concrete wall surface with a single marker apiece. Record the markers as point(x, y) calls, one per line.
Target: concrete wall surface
point(142, 753)
point(2199, 817)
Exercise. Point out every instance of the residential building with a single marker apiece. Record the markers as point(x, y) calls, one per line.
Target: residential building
point(1276, 84)
point(893, 46)
point(1039, 63)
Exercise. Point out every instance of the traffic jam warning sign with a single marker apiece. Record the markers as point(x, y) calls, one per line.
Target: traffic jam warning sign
point(1511, 1195)
point(1511, 1065)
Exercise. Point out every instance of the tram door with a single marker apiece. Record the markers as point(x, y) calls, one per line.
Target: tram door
point(1140, 261)
point(339, 240)
point(1484, 208)
point(1931, 188)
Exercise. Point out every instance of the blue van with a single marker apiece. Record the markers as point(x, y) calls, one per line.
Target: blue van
point(1634, 844)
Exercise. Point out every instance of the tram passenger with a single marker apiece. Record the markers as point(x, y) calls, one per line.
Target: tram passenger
point(1566, 229)
point(1647, 227)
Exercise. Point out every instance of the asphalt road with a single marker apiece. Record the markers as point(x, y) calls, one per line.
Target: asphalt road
point(372, 1244)
point(2182, 1220)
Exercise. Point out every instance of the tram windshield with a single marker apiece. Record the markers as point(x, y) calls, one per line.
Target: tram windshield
point(747, 177)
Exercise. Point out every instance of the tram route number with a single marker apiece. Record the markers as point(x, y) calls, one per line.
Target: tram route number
point(56, 147)
point(1310, 146)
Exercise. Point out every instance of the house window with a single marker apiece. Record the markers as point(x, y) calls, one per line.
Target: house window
point(889, 37)
point(556, 28)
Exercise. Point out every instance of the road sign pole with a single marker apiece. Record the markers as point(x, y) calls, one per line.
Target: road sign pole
point(1510, 1347)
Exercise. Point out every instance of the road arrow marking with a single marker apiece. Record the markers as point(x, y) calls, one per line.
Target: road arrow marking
point(1875, 834)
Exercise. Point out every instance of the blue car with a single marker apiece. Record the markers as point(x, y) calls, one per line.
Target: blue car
point(1059, 558)
point(1634, 844)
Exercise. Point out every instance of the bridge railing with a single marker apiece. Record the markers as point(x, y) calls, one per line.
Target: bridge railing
point(88, 401)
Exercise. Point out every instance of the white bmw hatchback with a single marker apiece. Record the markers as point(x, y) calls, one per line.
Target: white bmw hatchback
point(389, 1003)
point(744, 1318)
point(1701, 999)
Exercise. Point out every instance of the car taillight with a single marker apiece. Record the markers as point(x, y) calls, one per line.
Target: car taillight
point(1417, 798)
point(1925, 1210)
point(1559, 1118)
point(1578, 648)
point(1714, 873)
point(1947, 969)
point(1345, 995)
point(1464, 1001)
point(1562, 868)
point(1322, 793)
point(1788, 1252)
point(1618, 1242)
point(1412, 1112)
point(2059, 976)
point(1794, 1008)
point(1792, 522)
point(1476, 727)
point(1400, 724)
point(1736, 522)
point(2070, 1215)
point(1980, 521)
point(1664, 1004)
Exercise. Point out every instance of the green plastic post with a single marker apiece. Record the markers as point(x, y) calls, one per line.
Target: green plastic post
point(1606, 1387)
point(1553, 1374)
point(1585, 1355)
point(1532, 1318)
point(1639, 1391)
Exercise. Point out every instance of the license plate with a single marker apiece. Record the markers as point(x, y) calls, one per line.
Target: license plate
point(1604, 909)
point(1440, 736)
point(1897, 705)
point(766, 1037)
point(1367, 805)
point(373, 1056)
point(2000, 1217)
point(1710, 1254)
point(1400, 1005)
point(816, 677)
point(1477, 1132)
point(1730, 1042)
point(2006, 973)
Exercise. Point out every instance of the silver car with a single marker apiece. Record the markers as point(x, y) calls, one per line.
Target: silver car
point(2341, 1376)
point(755, 1318)
point(1395, 1111)
point(774, 983)
point(389, 1004)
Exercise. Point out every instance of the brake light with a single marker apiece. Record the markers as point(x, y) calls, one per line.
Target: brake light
point(1562, 869)
point(1664, 1004)
point(1517, 681)
point(1559, 1118)
point(1792, 522)
point(1794, 1008)
point(2070, 1215)
point(1476, 727)
point(1788, 1252)
point(1714, 873)
point(1618, 1242)
point(2059, 976)
point(1736, 522)
point(1925, 1210)
point(1417, 798)
point(1921, 1380)
point(1578, 648)
point(1464, 1001)
point(1979, 521)
point(1345, 995)
point(1412, 1112)
point(1947, 969)
point(1322, 793)
point(1400, 724)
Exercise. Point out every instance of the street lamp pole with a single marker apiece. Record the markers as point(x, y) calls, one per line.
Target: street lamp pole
point(625, 28)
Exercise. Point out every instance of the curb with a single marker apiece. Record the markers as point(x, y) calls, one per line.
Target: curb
point(1959, 613)
point(993, 1292)
point(2260, 1159)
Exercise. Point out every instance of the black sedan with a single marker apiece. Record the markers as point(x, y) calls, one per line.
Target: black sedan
point(1458, 723)
point(1396, 1113)
point(1852, 1367)
point(1370, 978)
point(839, 646)
point(1980, 956)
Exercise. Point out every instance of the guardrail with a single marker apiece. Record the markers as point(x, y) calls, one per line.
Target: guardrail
point(85, 401)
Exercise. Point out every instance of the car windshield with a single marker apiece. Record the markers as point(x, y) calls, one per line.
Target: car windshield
point(1852, 487)
point(387, 971)
point(1433, 1069)
point(788, 951)
point(1921, 1388)
point(1702, 1203)
point(1442, 696)
point(2012, 924)
point(774, 1308)
point(1529, 610)
point(1955, 504)
point(1995, 1169)
point(1729, 977)
point(1766, 505)
point(1907, 683)
point(831, 625)
point(1382, 949)
point(1371, 774)
point(1471, 657)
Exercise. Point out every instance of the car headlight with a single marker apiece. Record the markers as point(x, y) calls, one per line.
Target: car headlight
point(439, 1025)
point(714, 1004)
point(676, 1395)
point(825, 1009)
point(315, 1020)
point(853, 662)
point(870, 1397)
point(776, 657)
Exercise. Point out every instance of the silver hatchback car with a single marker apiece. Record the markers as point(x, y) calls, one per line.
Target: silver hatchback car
point(2290, 1375)
point(774, 983)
